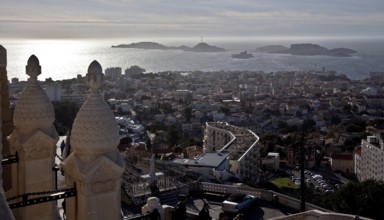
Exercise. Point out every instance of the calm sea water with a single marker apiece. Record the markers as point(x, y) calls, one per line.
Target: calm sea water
point(64, 59)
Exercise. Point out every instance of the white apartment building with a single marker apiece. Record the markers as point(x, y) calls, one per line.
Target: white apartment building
point(53, 92)
point(239, 143)
point(369, 159)
point(113, 72)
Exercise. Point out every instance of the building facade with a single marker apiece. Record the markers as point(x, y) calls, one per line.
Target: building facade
point(241, 145)
point(369, 159)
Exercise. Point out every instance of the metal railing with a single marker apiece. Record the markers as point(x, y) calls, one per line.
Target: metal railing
point(49, 196)
point(8, 159)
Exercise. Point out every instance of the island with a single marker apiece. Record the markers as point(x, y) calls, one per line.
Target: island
point(306, 50)
point(272, 49)
point(242, 55)
point(200, 47)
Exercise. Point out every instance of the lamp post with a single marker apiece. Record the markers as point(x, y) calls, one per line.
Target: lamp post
point(302, 184)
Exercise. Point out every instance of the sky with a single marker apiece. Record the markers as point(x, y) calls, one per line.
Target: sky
point(107, 19)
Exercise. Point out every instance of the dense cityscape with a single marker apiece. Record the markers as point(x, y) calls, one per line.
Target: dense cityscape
point(240, 127)
point(191, 110)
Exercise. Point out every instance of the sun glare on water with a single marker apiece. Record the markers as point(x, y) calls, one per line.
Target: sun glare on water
point(52, 54)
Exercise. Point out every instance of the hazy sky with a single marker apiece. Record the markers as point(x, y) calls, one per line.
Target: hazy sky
point(191, 18)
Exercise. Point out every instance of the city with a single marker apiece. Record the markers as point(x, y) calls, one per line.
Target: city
point(225, 128)
point(192, 110)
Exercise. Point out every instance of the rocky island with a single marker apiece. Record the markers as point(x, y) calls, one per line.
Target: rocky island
point(201, 47)
point(306, 50)
point(242, 55)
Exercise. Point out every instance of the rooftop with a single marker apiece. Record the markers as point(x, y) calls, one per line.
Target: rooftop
point(244, 139)
point(206, 160)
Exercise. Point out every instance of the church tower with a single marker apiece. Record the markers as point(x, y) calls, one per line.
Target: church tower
point(95, 166)
point(34, 139)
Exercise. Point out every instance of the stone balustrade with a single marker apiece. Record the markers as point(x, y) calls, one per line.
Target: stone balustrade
point(266, 195)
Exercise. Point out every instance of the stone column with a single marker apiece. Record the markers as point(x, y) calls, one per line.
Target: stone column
point(6, 123)
point(95, 165)
point(152, 177)
point(34, 139)
point(5, 211)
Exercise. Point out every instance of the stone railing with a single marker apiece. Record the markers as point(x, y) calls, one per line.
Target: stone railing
point(266, 195)
point(319, 215)
point(312, 211)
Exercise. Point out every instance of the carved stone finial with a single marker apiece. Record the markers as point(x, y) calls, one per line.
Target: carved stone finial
point(94, 78)
point(94, 130)
point(33, 67)
point(3, 56)
point(33, 111)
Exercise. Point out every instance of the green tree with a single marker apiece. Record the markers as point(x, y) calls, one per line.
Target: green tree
point(167, 108)
point(225, 110)
point(354, 128)
point(188, 113)
point(364, 199)
point(351, 143)
point(308, 124)
point(347, 108)
point(173, 136)
point(65, 112)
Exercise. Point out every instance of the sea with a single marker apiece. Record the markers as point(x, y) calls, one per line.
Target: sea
point(65, 59)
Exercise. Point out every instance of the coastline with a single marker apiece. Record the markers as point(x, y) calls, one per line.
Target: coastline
point(67, 60)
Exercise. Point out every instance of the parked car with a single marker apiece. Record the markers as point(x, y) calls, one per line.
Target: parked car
point(317, 176)
point(321, 181)
point(307, 172)
point(238, 203)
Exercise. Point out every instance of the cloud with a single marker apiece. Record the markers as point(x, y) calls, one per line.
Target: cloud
point(305, 17)
point(111, 18)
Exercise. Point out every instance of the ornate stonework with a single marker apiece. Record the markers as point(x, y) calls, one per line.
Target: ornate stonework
point(99, 176)
point(94, 130)
point(3, 56)
point(34, 139)
point(33, 110)
point(5, 211)
point(94, 166)
point(38, 146)
point(6, 122)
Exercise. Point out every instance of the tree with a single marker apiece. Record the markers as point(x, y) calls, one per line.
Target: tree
point(269, 142)
point(188, 113)
point(225, 110)
point(355, 128)
point(167, 108)
point(65, 112)
point(308, 124)
point(351, 143)
point(364, 199)
point(347, 108)
point(173, 136)
point(281, 151)
point(335, 119)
